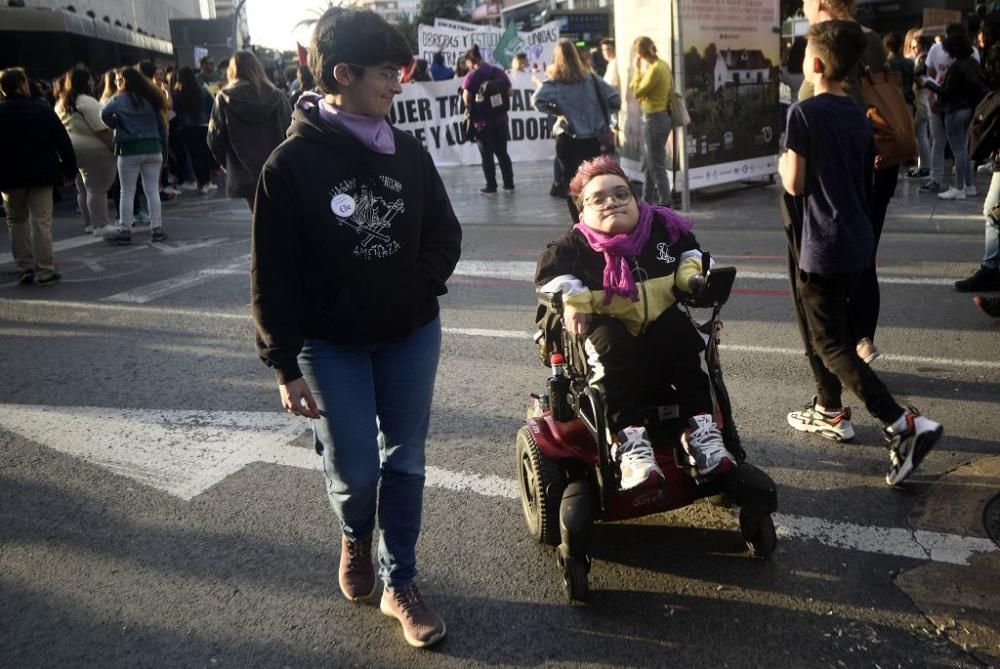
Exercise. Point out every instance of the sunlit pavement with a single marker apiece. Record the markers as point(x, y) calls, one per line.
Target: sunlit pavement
point(157, 509)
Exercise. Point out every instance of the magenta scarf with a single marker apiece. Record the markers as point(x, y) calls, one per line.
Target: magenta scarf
point(617, 249)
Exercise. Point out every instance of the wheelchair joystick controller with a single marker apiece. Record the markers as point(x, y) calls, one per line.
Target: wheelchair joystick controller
point(559, 389)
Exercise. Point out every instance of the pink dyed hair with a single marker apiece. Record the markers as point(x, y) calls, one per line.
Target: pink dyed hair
point(591, 169)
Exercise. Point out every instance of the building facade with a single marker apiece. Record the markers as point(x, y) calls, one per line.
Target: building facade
point(48, 38)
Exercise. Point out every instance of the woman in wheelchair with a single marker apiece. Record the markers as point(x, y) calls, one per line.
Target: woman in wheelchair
point(619, 270)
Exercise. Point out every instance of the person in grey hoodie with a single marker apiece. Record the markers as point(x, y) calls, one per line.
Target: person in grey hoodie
point(248, 121)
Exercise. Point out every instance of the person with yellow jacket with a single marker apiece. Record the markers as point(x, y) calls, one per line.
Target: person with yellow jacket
point(619, 271)
point(651, 84)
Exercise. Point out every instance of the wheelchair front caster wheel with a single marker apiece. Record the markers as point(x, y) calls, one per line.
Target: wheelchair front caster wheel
point(757, 530)
point(574, 576)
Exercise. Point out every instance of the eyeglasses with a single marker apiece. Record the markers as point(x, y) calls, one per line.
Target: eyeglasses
point(390, 74)
point(618, 197)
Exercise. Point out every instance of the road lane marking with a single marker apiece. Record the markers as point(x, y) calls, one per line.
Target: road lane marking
point(466, 332)
point(523, 270)
point(61, 245)
point(184, 453)
point(153, 291)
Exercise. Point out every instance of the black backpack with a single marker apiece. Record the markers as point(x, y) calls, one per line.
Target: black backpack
point(493, 97)
point(983, 138)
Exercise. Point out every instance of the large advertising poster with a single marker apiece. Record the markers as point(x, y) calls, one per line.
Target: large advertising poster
point(731, 62)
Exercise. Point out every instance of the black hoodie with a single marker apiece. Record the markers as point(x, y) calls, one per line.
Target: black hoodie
point(369, 275)
point(245, 127)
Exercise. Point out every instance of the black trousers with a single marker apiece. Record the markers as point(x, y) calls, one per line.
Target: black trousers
point(571, 153)
point(824, 313)
point(492, 141)
point(195, 141)
point(866, 300)
point(636, 369)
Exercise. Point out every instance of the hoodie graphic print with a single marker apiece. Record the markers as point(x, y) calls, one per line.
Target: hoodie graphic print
point(368, 206)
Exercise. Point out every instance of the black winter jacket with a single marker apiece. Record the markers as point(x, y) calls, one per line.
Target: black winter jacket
point(348, 245)
point(246, 125)
point(37, 150)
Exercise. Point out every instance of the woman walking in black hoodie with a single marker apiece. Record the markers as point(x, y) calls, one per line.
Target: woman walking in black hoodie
point(353, 240)
point(249, 119)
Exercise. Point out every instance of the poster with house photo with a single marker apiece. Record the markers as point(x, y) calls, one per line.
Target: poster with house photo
point(731, 61)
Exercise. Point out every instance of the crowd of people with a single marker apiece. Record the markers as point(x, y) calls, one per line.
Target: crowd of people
point(354, 237)
point(944, 77)
point(130, 139)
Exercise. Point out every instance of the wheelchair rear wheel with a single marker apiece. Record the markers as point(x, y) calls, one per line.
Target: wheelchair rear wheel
point(541, 483)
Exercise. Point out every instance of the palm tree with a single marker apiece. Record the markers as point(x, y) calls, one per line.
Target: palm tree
point(319, 11)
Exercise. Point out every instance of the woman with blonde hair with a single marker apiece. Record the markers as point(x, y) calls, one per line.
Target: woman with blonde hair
point(249, 119)
point(651, 83)
point(583, 103)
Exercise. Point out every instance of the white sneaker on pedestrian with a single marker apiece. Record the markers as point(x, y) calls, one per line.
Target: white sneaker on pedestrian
point(208, 188)
point(971, 191)
point(952, 194)
point(106, 230)
point(172, 190)
point(986, 168)
point(635, 458)
point(189, 186)
point(910, 438)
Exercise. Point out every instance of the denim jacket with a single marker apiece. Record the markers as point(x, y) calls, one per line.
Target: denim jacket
point(578, 104)
point(133, 118)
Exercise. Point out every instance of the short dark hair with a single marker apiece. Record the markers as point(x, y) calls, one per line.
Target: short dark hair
point(844, 7)
point(11, 80)
point(607, 41)
point(203, 60)
point(473, 54)
point(147, 67)
point(839, 44)
point(957, 45)
point(437, 58)
point(892, 41)
point(361, 37)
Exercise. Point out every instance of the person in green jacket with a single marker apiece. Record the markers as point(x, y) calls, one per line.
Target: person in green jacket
point(651, 84)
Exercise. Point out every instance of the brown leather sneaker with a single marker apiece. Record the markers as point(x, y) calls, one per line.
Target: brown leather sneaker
point(421, 626)
point(357, 573)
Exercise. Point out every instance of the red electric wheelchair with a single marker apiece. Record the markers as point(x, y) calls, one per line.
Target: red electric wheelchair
point(566, 474)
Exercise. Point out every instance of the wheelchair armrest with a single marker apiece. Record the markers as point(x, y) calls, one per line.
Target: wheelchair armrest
point(718, 286)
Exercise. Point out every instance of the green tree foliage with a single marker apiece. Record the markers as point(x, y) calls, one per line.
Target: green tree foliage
point(408, 26)
point(442, 9)
point(790, 8)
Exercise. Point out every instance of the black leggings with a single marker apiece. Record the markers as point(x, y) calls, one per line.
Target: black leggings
point(195, 140)
point(636, 369)
point(572, 153)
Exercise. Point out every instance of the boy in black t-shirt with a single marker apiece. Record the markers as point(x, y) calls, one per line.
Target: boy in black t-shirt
point(827, 167)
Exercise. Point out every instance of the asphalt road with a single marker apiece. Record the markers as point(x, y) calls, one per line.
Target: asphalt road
point(157, 510)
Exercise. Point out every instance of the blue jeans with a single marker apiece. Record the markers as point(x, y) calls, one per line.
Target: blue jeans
point(656, 127)
point(923, 139)
point(956, 127)
point(991, 254)
point(938, 140)
point(376, 406)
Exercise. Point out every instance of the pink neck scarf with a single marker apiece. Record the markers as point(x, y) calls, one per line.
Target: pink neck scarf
point(617, 249)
